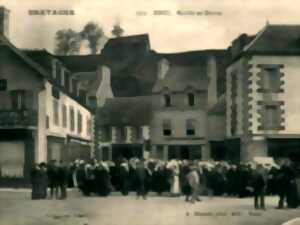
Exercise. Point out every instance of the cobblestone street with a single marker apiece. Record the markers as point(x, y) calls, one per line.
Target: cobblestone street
point(16, 208)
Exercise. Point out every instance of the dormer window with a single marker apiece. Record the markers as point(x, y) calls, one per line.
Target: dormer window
point(62, 76)
point(54, 66)
point(167, 100)
point(191, 99)
point(70, 85)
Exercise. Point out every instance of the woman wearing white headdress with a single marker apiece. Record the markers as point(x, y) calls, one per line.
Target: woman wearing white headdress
point(175, 187)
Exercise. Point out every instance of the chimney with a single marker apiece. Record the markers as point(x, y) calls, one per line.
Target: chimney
point(104, 89)
point(163, 67)
point(4, 21)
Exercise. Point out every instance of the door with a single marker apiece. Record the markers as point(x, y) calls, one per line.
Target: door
point(12, 158)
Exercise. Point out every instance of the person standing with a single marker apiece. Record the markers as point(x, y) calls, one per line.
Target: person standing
point(185, 186)
point(43, 180)
point(52, 174)
point(194, 181)
point(62, 179)
point(124, 180)
point(259, 185)
point(283, 181)
point(175, 188)
point(34, 179)
point(141, 175)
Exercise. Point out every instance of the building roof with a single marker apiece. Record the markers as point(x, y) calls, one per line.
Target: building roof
point(4, 41)
point(277, 39)
point(220, 106)
point(82, 63)
point(39, 68)
point(179, 78)
point(125, 111)
point(89, 81)
point(189, 69)
point(132, 39)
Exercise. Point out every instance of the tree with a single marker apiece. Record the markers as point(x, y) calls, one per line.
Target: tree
point(93, 33)
point(67, 42)
point(117, 30)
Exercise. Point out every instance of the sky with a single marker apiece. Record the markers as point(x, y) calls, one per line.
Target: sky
point(168, 33)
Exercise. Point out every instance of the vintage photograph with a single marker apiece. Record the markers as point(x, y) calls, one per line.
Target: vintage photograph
point(161, 112)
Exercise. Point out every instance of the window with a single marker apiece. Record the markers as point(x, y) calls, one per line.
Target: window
point(167, 99)
point(56, 112)
point(58, 72)
point(72, 119)
point(64, 116)
point(234, 87)
point(88, 126)
point(71, 85)
point(3, 85)
point(190, 127)
point(18, 99)
point(55, 92)
point(123, 133)
point(79, 122)
point(167, 127)
point(138, 133)
point(67, 80)
point(92, 101)
point(105, 134)
point(47, 122)
point(191, 99)
point(270, 115)
point(62, 76)
point(74, 87)
point(270, 79)
point(82, 96)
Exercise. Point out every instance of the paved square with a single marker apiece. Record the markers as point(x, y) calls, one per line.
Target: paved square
point(16, 208)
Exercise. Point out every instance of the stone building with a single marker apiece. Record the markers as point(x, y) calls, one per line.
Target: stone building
point(123, 127)
point(42, 116)
point(262, 93)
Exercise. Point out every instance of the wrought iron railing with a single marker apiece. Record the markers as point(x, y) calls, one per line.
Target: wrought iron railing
point(23, 117)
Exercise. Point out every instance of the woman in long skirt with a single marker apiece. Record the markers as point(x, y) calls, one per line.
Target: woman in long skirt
point(175, 187)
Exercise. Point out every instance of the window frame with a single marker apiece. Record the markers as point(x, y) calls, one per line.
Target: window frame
point(72, 119)
point(167, 100)
point(191, 99)
point(55, 103)
point(190, 123)
point(64, 116)
point(167, 127)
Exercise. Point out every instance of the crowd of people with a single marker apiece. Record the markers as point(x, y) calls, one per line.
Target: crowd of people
point(175, 177)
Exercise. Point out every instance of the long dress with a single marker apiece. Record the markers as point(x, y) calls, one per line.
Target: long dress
point(175, 188)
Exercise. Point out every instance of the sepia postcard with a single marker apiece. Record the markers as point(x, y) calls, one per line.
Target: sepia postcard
point(161, 112)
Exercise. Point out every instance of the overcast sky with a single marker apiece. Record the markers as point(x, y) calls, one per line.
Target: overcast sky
point(171, 33)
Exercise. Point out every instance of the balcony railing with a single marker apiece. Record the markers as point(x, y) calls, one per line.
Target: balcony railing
point(18, 118)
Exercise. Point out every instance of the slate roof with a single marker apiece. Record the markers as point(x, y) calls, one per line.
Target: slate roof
point(277, 39)
point(140, 38)
point(189, 69)
point(179, 78)
point(90, 80)
point(40, 56)
point(130, 111)
point(38, 66)
point(82, 63)
point(136, 74)
point(5, 42)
